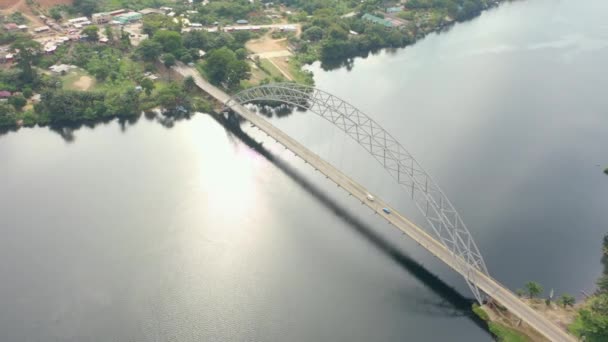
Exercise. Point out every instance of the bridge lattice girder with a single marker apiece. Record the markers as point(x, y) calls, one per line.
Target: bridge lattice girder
point(439, 212)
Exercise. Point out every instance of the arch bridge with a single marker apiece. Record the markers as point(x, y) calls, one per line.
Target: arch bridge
point(440, 214)
point(452, 242)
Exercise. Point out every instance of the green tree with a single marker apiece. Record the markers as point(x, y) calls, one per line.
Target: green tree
point(64, 106)
point(602, 283)
point(109, 33)
point(92, 32)
point(147, 85)
point(534, 289)
point(55, 13)
point(27, 53)
point(237, 71)
point(222, 67)
point(217, 64)
point(197, 40)
point(123, 103)
point(566, 300)
point(241, 53)
point(7, 115)
point(171, 41)
point(17, 101)
point(168, 60)
point(189, 83)
point(593, 319)
point(173, 99)
point(86, 7)
point(149, 50)
point(314, 33)
point(27, 92)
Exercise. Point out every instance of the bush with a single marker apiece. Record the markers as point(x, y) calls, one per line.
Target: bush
point(506, 334)
point(29, 118)
point(18, 101)
point(480, 312)
point(27, 92)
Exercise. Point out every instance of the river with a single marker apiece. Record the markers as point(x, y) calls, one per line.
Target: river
point(140, 232)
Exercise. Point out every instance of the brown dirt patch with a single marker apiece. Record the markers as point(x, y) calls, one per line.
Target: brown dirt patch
point(15, 4)
point(83, 83)
point(266, 44)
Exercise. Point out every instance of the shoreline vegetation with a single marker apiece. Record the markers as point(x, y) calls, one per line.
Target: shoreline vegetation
point(587, 320)
point(105, 71)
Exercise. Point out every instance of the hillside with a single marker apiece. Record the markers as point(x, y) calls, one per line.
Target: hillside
point(22, 4)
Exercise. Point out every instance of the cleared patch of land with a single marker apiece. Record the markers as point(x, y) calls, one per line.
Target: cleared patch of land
point(266, 44)
point(78, 80)
point(5, 4)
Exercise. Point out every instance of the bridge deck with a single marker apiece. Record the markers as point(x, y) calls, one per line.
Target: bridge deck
point(487, 284)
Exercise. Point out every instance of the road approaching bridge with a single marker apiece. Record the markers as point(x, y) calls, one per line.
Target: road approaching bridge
point(485, 283)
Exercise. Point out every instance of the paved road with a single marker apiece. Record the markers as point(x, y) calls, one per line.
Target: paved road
point(274, 54)
point(270, 26)
point(488, 285)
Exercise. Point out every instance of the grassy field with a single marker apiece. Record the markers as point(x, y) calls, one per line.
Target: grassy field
point(78, 79)
point(300, 75)
point(271, 69)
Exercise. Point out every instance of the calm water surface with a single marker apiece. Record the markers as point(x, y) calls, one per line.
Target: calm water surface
point(145, 233)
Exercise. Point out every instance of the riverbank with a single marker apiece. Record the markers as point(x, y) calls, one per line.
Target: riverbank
point(109, 86)
point(586, 320)
point(506, 327)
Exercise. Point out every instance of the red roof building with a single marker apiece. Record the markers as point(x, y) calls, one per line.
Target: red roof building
point(11, 27)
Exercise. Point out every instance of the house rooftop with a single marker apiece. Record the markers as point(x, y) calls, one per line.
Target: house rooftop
point(377, 20)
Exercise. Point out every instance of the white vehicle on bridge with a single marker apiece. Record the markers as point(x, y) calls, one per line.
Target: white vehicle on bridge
point(370, 197)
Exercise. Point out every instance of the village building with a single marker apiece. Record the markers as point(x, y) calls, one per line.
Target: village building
point(8, 58)
point(101, 18)
point(50, 48)
point(11, 27)
point(79, 20)
point(61, 68)
point(128, 17)
point(377, 20)
point(148, 11)
point(394, 9)
point(117, 12)
point(41, 29)
point(289, 28)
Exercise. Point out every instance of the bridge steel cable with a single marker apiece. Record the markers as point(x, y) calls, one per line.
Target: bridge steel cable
point(437, 209)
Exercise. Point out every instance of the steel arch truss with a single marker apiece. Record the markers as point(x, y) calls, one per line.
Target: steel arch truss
point(398, 162)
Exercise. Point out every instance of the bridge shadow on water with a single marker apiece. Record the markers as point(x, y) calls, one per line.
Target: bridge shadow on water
point(451, 303)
